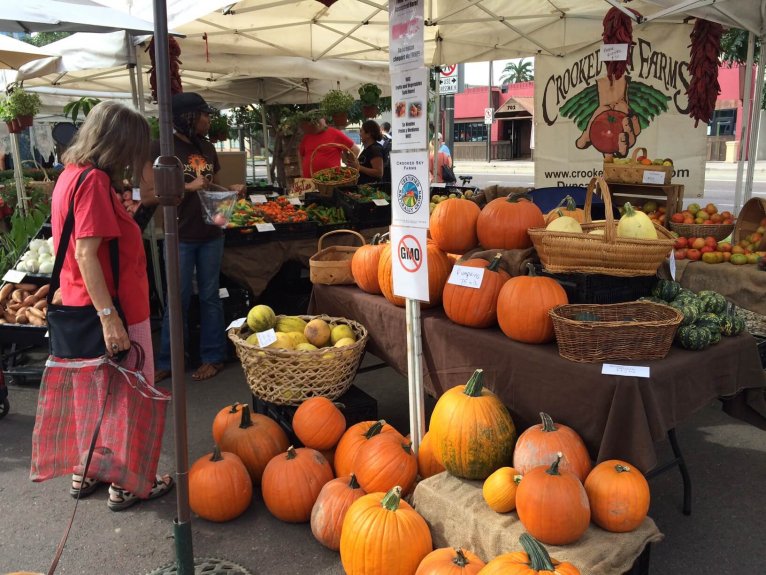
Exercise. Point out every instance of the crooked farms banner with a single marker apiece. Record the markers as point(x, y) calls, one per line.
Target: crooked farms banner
point(581, 118)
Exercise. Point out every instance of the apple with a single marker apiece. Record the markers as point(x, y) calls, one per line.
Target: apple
point(677, 218)
point(707, 250)
point(763, 222)
point(738, 249)
point(756, 237)
point(709, 258)
point(689, 220)
point(680, 254)
point(727, 215)
point(693, 208)
point(693, 255)
point(761, 230)
point(698, 244)
point(724, 247)
point(727, 221)
point(752, 258)
point(726, 256)
point(716, 218)
point(711, 241)
point(711, 209)
point(743, 243)
point(702, 214)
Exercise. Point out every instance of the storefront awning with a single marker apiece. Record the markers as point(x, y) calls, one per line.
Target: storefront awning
point(512, 107)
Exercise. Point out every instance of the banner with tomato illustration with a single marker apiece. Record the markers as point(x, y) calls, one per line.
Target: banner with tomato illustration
point(583, 119)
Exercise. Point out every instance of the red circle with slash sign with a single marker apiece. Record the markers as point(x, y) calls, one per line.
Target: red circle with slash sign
point(410, 253)
point(448, 70)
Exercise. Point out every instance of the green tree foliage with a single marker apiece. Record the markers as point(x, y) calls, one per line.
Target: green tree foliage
point(519, 71)
point(734, 51)
point(41, 39)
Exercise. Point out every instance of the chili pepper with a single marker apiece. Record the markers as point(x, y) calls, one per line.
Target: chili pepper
point(704, 88)
point(618, 29)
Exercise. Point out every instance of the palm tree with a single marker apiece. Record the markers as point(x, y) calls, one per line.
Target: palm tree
point(518, 71)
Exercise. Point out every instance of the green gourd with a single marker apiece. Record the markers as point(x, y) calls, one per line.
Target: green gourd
point(693, 337)
point(666, 290)
point(712, 301)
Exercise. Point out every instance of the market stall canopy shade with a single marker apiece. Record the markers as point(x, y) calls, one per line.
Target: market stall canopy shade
point(14, 53)
point(66, 16)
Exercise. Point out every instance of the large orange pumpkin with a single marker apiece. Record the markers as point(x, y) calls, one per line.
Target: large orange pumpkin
point(476, 307)
point(383, 535)
point(255, 440)
point(219, 486)
point(330, 509)
point(523, 305)
point(318, 423)
point(453, 225)
point(385, 461)
point(354, 437)
point(540, 444)
point(439, 268)
point(552, 505)
point(503, 223)
point(228, 415)
point(471, 430)
point(449, 561)
point(619, 496)
point(533, 560)
point(566, 207)
point(292, 481)
point(428, 465)
point(364, 265)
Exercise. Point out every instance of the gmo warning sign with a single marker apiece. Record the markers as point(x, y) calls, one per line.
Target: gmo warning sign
point(410, 254)
point(410, 262)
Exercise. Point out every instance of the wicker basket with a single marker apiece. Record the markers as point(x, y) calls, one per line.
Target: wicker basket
point(566, 252)
point(633, 173)
point(749, 219)
point(718, 231)
point(288, 377)
point(332, 266)
point(627, 331)
point(326, 189)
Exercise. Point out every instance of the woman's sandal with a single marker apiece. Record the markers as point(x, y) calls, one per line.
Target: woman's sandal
point(83, 486)
point(206, 371)
point(120, 498)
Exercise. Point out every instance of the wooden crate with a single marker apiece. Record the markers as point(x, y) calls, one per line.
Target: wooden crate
point(672, 195)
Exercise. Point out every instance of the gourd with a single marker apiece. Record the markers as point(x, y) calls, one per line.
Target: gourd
point(219, 486)
point(564, 224)
point(383, 535)
point(567, 207)
point(666, 290)
point(691, 310)
point(693, 337)
point(476, 307)
point(523, 305)
point(453, 225)
point(439, 268)
point(384, 461)
point(712, 301)
point(318, 423)
point(364, 265)
point(552, 505)
point(618, 495)
point(635, 225)
point(330, 509)
point(228, 415)
point(534, 559)
point(428, 465)
point(499, 489)
point(449, 561)
point(472, 431)
point(503, 223)
point(732, 324)
point(541, 445)
point(354, 437)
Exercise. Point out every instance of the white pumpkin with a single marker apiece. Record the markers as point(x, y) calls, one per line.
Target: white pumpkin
point(564, 224)
point(635, 225)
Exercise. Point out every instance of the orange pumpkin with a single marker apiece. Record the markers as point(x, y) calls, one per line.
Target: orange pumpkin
point(318, 423)
point(228, 415)
point(533, 560)
point(428, 465)
point(292, 481)
point(503, 223)
point(330, 509)
point(385, 461)
point(619, 496)
point(255, 440)
point(439, 268)
point(566, 207)
point(383, 535)
point(449, 561)
point(476, 307)
point(354, 437)
point(523, 305)
point(219, 486)
point(453, 225)
point(552, 505)
point(499, 489)
point(364, 265)
point(540, 444)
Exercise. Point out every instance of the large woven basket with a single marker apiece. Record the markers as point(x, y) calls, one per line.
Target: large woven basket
point(326, 189)
point(620, 331)
point(633, 173)
point(718, 231)
point(567, 252)
point(288, 377)
point(332, 265)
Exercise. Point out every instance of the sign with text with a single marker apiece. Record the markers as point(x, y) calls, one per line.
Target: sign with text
point(652, 177)
point(302, 185)
point(266, 338)
point(466, 276)
point(625, 370)
point(448, 80)
point(488, 116)
point(409, 99)
point(614, 52)
point(410, 262)
point(409, 189)
point(405, 30)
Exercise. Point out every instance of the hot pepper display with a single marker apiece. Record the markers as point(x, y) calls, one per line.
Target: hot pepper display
point(618, 29)
point(703, 65)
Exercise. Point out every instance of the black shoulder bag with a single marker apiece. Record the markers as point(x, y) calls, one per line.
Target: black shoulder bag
point(76, 331)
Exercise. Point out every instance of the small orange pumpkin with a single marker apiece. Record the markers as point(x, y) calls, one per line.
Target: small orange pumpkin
point(385, 461)
point(499, 489)
point(439, 268)
point(449, 561)
point(533, 560)
point(476, 307)
point(228, 415)
point(453, 225)
point(566, 207)
point(364, 265)
point(219, 486)
point(318, 423)
point(428, 465)
point(330, 509)
point(503, 223)
point(619, 496)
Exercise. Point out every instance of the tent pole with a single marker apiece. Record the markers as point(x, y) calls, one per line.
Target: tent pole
point(18, 176)
point(747, 102)
point(265, 126)
point(435, 136)
point(140, 82)
point(414, 372)
point(418, 362)
point(755, 126)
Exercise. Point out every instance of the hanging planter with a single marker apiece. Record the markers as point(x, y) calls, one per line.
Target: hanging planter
point(370, 112)
point(18, 108)
point(340, 120)
point(25, 121)
point(14, 126)
point(369, 95)
point(336, 104)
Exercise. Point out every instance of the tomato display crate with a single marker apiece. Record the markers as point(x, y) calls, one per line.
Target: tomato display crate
point(601, 289)
point(246, 235)
point(361, 213)
point(296, 230)
point(356, 406)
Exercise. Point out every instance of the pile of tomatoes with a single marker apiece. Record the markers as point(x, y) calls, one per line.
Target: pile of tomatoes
point(281, 211)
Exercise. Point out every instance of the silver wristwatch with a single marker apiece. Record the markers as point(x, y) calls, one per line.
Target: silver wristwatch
point(104, 312)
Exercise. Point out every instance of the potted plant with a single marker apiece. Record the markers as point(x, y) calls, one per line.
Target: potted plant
point(336, 104)
point(84, 105)
point(369, 95)
point(19, 108)
point(219, 128)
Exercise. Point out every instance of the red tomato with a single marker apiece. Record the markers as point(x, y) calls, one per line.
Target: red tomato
point(605, 131)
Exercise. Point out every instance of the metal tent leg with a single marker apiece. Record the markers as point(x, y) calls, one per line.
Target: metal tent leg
point(679, 461)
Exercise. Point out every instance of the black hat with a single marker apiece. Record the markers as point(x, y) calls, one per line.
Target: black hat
point(190, 102)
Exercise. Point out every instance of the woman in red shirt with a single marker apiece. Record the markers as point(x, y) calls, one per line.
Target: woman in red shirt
point(112, 138)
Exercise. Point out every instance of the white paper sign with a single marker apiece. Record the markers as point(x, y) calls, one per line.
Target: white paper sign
point(614, 52)
point(652, 177)
point(466, 276)
point(265, 227)
point(488, 113)
point(303, 185)
point(223, 293)
point(136, 194)
point(409, 100)
point(14, 276)
point(296, 201)
point(380, 202)
point(266, 338)
point(409, 189)
point(405, 30)
point(237, 323)
point(410, 262)
point(672, 264)
point(625, 370)
point(258, 199)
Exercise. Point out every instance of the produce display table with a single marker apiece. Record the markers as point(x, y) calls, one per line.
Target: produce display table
point(458, 516)
point(617, 417)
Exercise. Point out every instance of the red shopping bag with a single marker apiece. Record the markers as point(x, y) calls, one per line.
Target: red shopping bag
point(72, 396)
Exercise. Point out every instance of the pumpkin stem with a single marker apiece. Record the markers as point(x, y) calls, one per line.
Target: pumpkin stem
point(216, 454)
point(539, 559)
point(375, 429)
point(621, 468)
point(516, 196)
point(570, 203)
point(630, 211)
point(559, 213)
point(531, 270)
point(291, 453)
point(517, 479)
point(407, 448)
point(460, 559)
point(234, 407)
point(375, 240)
point(353, 483)
point(391, 499)
point(246, 420)
point(475, 384)
point(495, 263)
point(554, 468)
point(548, 424)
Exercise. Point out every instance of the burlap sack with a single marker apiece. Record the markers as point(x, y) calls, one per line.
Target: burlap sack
point(494, 191)
point(458, 516)
point(512, 261)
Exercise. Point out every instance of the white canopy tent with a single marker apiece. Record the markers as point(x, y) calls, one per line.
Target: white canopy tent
point(66, 16)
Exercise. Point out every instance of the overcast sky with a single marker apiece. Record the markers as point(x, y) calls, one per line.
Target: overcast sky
point(477, 73)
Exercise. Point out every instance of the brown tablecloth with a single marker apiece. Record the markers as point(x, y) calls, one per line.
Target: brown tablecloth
point(618, 417)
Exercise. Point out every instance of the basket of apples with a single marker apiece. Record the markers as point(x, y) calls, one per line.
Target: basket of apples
point(696, 221)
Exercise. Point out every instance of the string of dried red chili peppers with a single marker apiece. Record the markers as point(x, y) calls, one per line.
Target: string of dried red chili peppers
point(618, 29)
point(174, 51)
point(704, 88)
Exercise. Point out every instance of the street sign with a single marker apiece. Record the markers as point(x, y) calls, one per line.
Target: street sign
point(410, 262)
point(488, 115)
point(448, 80)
